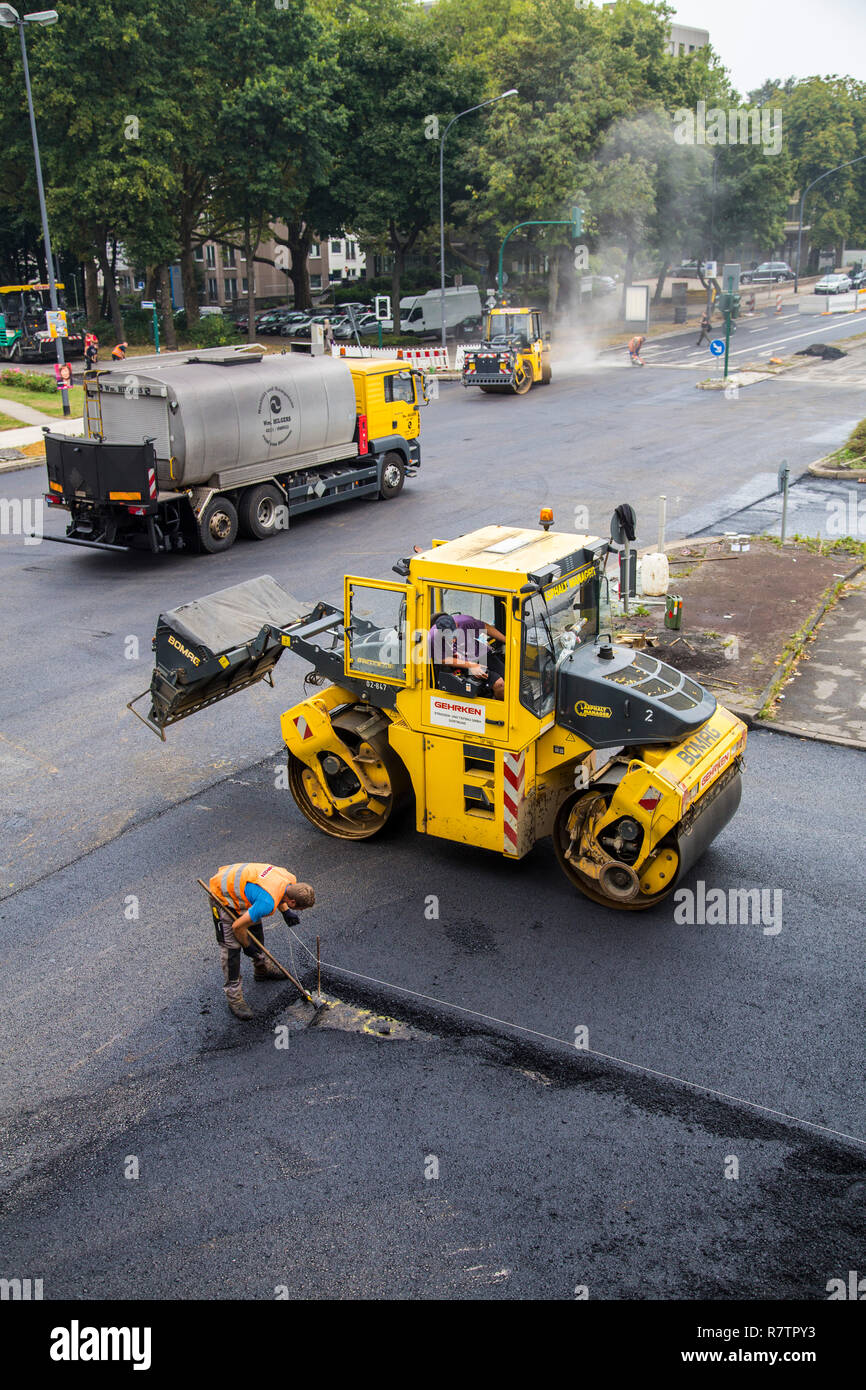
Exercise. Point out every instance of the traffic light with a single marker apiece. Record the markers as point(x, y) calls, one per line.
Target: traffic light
point(725, 302)
point(735, 306)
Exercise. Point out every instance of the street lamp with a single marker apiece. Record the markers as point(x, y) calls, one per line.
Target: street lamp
point(826, 175)
point(11, 19)
point(491, 101)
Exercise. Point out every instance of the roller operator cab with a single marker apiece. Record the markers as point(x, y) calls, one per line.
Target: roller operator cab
point(514, 355)
point(482, 690)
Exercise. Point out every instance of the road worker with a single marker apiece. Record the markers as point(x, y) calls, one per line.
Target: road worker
point(249, 893)
point(119, 352)
point(634, 347)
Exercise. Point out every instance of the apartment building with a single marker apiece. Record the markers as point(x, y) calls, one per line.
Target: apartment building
point(226, 273)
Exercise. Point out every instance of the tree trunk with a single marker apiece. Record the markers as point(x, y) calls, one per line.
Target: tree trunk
point(91, 291)
point(110, 292)
point(164, 301)
point(190, 288)
point(553, 284)
point(627, 274)
point(398, 249)
point(298, 239)
point(660, 282)
point(249, 252)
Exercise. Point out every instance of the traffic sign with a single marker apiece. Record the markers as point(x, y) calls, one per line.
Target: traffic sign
point(148, 304)
point(717, 347)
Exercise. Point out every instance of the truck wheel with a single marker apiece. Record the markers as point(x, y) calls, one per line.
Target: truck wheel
point(218, 526)
point(393, 476)
point(257, 511)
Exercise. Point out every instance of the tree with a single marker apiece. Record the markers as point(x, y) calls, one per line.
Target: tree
point(400, 74)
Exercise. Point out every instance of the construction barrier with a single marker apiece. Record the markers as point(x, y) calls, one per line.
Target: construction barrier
point(461, 353)
point(828, 303)
point(778, 304)
point(428, 359)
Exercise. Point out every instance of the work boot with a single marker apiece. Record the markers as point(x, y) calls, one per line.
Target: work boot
point(236, 1002)
point(266, 970)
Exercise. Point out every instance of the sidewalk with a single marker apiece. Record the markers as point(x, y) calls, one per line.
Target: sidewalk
point(25, 413)
point(826, 697)
point(11, 441)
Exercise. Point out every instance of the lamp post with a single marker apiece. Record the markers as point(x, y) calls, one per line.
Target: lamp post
point(11, 19)
point(826, 175)
point(491, 101)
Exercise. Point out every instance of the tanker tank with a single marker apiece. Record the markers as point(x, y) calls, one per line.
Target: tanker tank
point(228, 418)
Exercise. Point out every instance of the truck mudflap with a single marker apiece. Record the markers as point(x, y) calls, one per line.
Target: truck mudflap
point(91, 471)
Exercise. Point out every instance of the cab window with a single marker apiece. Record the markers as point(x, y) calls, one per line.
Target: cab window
point(537, 659)
point(467, 643)
point(377, 632)
point(400, 387)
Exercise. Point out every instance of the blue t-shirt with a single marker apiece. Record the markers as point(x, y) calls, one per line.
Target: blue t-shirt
point(261, 903)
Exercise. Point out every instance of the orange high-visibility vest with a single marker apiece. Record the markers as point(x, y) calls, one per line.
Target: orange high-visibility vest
point(229, 882)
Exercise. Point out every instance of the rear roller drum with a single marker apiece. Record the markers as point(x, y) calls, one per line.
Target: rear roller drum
point(618, 885)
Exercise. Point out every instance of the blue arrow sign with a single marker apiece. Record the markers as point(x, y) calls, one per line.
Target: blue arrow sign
point(717, 347)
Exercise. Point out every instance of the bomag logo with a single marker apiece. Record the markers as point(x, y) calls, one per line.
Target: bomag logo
point(184, 651)
point(694, 750)
point(587, 711)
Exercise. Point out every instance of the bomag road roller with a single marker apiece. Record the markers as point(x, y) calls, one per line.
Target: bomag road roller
point(542, 726)
point(515, 353)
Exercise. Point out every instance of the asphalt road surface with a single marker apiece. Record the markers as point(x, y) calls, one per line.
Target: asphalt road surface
point(604, 1167)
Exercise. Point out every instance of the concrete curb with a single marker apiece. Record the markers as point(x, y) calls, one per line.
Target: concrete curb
point(16, 465)
point(819, 469)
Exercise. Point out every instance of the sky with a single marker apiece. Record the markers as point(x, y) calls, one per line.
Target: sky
point(756, 39)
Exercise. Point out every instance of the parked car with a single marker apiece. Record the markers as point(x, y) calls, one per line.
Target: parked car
point(858, 279)
point(303, 330)
point(687, 270)
point(769, 272)
point(834, 284)
point(365, 323)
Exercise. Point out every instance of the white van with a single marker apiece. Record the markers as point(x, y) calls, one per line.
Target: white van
point(422, 313)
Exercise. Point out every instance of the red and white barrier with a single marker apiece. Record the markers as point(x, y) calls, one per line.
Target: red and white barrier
point(427, 359)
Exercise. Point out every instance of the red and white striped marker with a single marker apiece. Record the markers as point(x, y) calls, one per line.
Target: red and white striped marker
point(302, 727)
point(513, 788)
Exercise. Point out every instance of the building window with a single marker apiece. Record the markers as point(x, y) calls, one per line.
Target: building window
point(210, 254)
point(336, 247)
point(231, 288)
point(228, 255)
point(199, 253)
point(336, 275)
point(314, 250)
point(211, 287)
point(350, 250)
point(315, 282)
point(246, 284)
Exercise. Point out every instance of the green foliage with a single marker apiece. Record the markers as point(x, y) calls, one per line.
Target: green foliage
point(28, 381)
point(213, 331)
point(856, 441)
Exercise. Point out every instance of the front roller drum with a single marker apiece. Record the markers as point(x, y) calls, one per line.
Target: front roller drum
point(385, 781)
point(619, 885)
